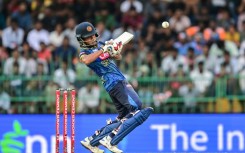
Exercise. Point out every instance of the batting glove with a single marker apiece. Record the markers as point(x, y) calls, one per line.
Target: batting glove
point(117, 48)
point(108, 49)
point(109, 42)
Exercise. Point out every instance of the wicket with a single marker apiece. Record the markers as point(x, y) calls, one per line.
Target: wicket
point(65, 109)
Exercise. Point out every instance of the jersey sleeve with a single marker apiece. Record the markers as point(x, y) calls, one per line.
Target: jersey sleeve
point(87, 51)
point(102, 57)
point(101, 43)
point(83, 52)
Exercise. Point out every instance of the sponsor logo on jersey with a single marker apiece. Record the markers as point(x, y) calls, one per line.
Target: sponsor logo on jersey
point(105, 62)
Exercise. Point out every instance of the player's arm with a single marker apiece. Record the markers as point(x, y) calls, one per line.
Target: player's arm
point(102, 53)
point(87, 59)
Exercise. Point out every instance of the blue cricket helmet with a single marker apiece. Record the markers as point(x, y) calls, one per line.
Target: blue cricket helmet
point(84, 30)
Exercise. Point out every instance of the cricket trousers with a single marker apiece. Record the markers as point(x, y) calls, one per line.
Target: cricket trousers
point(125, 99)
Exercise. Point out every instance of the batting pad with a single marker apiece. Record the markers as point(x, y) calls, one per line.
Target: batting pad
point(130, 124)
point(106, 130)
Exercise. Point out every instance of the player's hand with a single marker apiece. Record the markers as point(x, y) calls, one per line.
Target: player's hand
point(117, 48)
point(108, 49)
point(109, 42)
point(113, 48)
point(108, 46)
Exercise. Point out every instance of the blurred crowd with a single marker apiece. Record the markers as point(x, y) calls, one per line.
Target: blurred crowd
point(205, 41)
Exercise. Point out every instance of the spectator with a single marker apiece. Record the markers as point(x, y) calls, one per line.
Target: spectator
point(218, 48)
point(197, 43)
point(88, 97)
point(37, 35)
point(16, 81)
point(218, 5)
point(23, 16)
point(201, 78)
point(44, 53)
point(33, 55)
point(156, 18)
point(233, 35)
point(9, 64)
point(172, 61)
point(213, 32)
point(13, 36)
point(46, 66)
point(223, 19)
point(65, 51)
point(148, 33)
point(190, 57)
point(26, 48)
point(30, 66)
point(189, 92)
point(104, 33)
point(133, 19)
point(230, 64)
point(149, 61)
point(48, 18)
point(32, 89)
point(40, 70)
point(64, 76)
point(56, 37)
point(203, 16)
point(179, 22)
point(105, 17)
point(153, 5)
point(70, 32)
point(143, 50)
point(127, 4)
point(191, 9)
point(40, 74)
point(209, 60)
point(181, 43)
point(175, 5)
point(84, 7)
point(128, 63)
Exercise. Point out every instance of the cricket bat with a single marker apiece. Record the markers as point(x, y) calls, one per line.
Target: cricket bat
point(124, 38)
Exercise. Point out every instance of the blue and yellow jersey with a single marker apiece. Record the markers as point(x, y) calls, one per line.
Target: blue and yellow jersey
point(105, 68)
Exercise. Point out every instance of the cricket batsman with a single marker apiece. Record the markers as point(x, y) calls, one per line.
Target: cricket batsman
point(100, 57)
